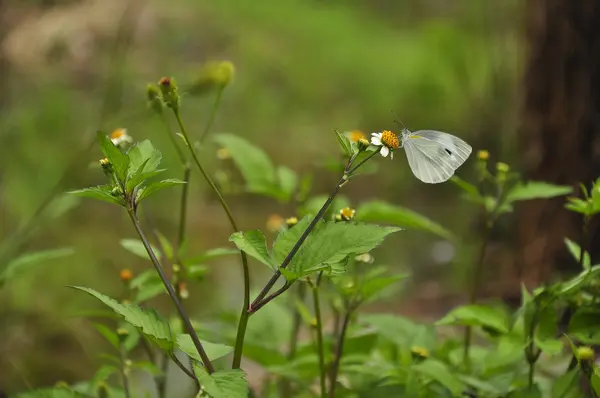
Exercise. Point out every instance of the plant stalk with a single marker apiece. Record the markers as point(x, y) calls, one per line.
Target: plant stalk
point(159, 269)
point(213, 113)
point(319, 331)
point(339, 351)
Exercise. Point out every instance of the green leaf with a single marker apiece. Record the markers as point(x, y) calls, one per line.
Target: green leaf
point(137, 179)
point(575, 251)
point(477, 315)
point(118, 159)
point(165, 244)
point(288, 180)
point(108, 334)
point(56, 392)
point(254, 244)
point(154, 187)
point(102, 192)
point(536, 190)
point(379, 211)
point(344, 143)
point(27, 261)
point(329, 243)
point(373, 287)
point(143, 158)
point(575, 284)
point(585, 325)
point(210, 255)
point(566, 384)
point(136, 247)
point(439, 372)
point(147, 321)
point(595, 381)
point(254, 164)
point(213, 350)
point(223, 384)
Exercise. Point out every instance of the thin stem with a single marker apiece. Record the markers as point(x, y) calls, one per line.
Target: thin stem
point(353, 169)
point(136, 223)
point(171, 136)
point(162, 382)
point(319, 331)
point(181, 236)
point(339, 351)
point(474, 288)
point(584, 239)
point(299, 243)
point(266, 300)
point(183, 368)
point(123, 366)
point(286, 387)
point(213, 113)
point(243, 323)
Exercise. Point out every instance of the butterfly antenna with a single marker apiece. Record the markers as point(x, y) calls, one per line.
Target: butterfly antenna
point(397, 120)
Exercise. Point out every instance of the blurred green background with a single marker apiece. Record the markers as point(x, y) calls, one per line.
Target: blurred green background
point(303, 69)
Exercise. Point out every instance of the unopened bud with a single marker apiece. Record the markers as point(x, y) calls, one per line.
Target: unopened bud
point(170, 94)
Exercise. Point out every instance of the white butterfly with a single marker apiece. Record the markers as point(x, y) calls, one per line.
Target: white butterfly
point(434, 156)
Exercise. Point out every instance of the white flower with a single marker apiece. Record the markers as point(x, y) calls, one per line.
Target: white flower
point(120, 136)
point(387, 140)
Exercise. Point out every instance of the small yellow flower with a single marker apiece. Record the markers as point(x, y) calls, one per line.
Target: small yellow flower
point(126, 275)
point(183, 291)
point(363, 144)
point(347, 213)
point(274, 222)
point(176, 268)
point(502, 167)
point(483, 155)
point(419, 352)
point(585, 353)
point(356, 135)
point(291, 221)
point(388, 141)
point(122, 334)
point(119, 136)
point(223, 154)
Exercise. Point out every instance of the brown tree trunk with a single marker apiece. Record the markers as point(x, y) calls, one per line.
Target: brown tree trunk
point(561, 121)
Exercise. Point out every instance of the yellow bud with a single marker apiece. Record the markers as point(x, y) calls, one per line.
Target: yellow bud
point(419, 352)
point(170, 94)
point(347, 213)
point(585, 353)
point(212, 75)
point(502, 167)
point(483, 155)
point(126, 275)
point(291, 221)
point(154, 98)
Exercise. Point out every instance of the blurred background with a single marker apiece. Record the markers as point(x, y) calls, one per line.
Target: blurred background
point(519, 79)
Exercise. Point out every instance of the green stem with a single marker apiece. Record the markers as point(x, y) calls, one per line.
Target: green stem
point(173, 139)
point(213, 113)
point(297, 246)
point(319, 330)
point(183, 368)
point(181, 236)
point(286, 386)
point(124, 377)
point(474, 288)
point(159, 269)
point(353, 169)
point(245, 315)
point(339, 351)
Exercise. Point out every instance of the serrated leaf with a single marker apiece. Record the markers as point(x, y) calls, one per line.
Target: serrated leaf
point(102, 192)
point(119, 160)
point(139, 178)
point(575, 251)
point(147, 321)
point(536, 190)
point(254, 244)
point(213, 350)
point(254, 164)
point(329, 243)
point(477, 315)
point(136, 247)
point(373, 287)
point(27, 261)
point(143, 158)
point(153, 187)
point(223, 384)
point(379, 211)
point(439, 372)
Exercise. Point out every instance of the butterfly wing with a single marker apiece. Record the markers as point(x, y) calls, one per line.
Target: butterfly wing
point(433, 156)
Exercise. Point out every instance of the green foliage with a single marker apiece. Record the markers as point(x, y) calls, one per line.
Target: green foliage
point(28, 261)
point(477, 315)
point(222, 384)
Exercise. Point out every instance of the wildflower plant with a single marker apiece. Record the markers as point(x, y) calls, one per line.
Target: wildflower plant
point(305, 326)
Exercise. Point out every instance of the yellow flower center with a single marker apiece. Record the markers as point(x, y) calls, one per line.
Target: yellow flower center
point(357, 135)
point(223, 153)
point(118, 133)
point(390, 139)
point(420, 351)
point(347, 213)
point(104, 162)
point(483, 155)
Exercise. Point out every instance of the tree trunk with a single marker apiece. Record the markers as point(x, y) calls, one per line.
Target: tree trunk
point(561, 120)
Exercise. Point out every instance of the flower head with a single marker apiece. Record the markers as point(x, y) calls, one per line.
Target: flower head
point(483, 155)
point(356, 135)
point(223, 154)
point(363, 144)
point(502, 167)
point(419, 352)
point(365, 258)
point(345, 214)
point(119, 137)
point(387, 140)
point(290, 222)
point(126, 275)
point(275, 222)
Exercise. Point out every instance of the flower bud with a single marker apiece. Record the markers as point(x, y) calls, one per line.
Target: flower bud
point(291, 221)
point(170, 94)
point(212, 76)
point(483, 155)
point(154, 99)
point(126, 275)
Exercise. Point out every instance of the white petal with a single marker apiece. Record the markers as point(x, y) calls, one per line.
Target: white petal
point(376, 139)
point(384, 151)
